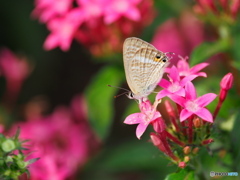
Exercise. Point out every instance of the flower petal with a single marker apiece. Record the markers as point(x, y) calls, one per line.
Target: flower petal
point(204, 100)
point(180, 92)
point(162, 94)
point(190, 91)
point(202, 74)
point(183, 65)
point(164, 83)
point(177, 99)
point(135, 118)
point(174, 74)
point(198, 67)
point(141, 128)
point(204, 114)
point(185, 114)
point(187, 79)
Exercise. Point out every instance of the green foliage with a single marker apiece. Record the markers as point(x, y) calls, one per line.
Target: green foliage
point(100, 99)
point(208, 49)
point(183, 174)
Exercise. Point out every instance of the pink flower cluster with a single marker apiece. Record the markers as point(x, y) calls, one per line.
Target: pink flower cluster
point(180, 35)
point(63, 141)
point(100, 25)
point(188, 114)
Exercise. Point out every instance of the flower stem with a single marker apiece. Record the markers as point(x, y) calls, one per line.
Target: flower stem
point(174, 139)
point(190, 129)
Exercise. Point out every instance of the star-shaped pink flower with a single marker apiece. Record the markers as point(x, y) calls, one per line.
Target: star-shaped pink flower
point(147, 115)
point(63, 30)
point(194, 105)
point(116, 9)
point(175, 85)
point(185, 70)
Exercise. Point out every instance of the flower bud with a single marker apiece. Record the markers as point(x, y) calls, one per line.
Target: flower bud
point(157, 142)
point(207, 141)
point(186, 150)
point(158, 125)
point(197, 122)
point(186, 158)
point(8, 145)
point(195, 150)
point(182, 165)
point(227, 81)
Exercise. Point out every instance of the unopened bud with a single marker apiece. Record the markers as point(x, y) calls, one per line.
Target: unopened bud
point(8, 145)
point(186, 150)
point(195, 150)
point(197, 122)
point(182, 165)
point(158, 125)
point(186, 158)
point(227, 81)
point(207, 141)
point(157, 142)
point(169, 108)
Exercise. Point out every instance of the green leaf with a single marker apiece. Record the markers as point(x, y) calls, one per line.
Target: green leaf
point(235, 49)
point(132, 157)
point(181, 175)
point(206, 50)
point(100, 99)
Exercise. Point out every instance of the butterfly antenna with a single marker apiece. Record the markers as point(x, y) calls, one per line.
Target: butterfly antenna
point(127, 91)
point(118, 87)
point(120, 94)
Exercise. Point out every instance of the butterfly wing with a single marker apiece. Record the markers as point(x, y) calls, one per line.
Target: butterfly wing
point(147, 70)
point(131, 64)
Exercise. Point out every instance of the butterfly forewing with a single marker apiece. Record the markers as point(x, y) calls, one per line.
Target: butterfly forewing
point(142, 70)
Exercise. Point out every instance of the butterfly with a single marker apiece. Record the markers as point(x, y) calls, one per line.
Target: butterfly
point(144, 67)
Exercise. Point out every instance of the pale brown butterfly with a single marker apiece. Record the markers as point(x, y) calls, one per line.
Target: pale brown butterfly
point(144, 67)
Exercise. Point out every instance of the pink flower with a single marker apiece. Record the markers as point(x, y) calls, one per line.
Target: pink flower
point(185, 70)
point(179, 36)
point(193, 105)
point(117, 9)
point(92, 9)
point(45, 10)
point(62, 140)
point(15, 70)
point(63, 30)
point(175, 85)
point(147, 115)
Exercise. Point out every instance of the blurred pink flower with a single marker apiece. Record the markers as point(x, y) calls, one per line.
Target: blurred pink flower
point(100, 25)
point(63, 30)
point(62, 140)
point(92, 8)
point(15, 70)
point(175, 85)
point(193, 105)
point(47, 9)
point(222, 8)
point(179, 36)
point(117, 9)
point(185, 70)
point(147, 115)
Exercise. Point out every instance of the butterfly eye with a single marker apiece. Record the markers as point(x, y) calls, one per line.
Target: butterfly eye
point(158, 56)
point(164, 60)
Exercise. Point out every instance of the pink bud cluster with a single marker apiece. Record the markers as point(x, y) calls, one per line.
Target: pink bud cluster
point(218, 7)
point(188, 120)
